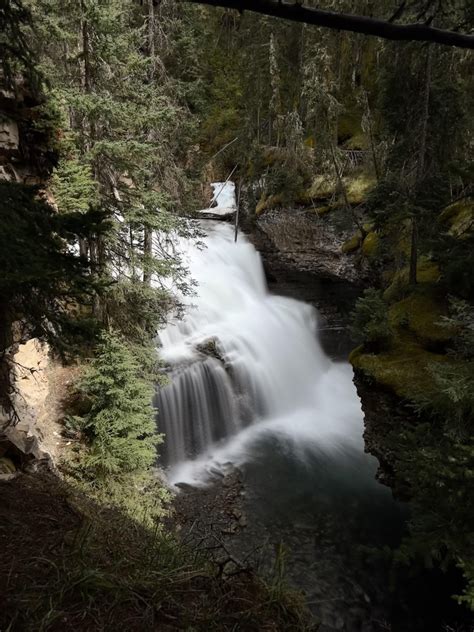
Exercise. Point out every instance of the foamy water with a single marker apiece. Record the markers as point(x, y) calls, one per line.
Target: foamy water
point(246, 365)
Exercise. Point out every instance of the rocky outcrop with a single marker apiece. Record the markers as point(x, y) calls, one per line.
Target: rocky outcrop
point(303, 259)
point(26, 157)
point(30, 433)
point(301, 240)
point(384, 415)
point(25, 140)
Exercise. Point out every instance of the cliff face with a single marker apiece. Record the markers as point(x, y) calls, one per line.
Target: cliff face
point(303, 259)
point(300, 240)
point(25, 157)
point(25, 142)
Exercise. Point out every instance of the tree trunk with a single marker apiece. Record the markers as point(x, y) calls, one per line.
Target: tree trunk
point(148, 254)
point(342, 186)
point(413, 252)
point(151, 37)
point(147, 230)
point(421, 166)
point(7, 412)
point(83, 248)
point(345, 22)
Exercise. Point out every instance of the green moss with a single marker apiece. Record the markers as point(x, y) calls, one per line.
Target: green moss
point(322, 188)
point(427, 273)
point(352, 244)
point(422, 315)
point(459, 217)
point(370, 244)
point(355, 353)
point(404, 369)
point(358, 187)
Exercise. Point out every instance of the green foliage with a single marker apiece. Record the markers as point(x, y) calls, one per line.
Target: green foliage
point(15, 51)
point(440, 478)
point(370, 318)
point(456, 257)
point(136, 309)
point(120, 422)
point(120, 102)
point(454, 396)
point(140, 495)
point(42, 282)
point(73, 186)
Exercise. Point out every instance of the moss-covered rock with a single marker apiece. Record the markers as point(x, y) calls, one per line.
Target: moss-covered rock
point(267, 202)
point(349, 125)
point(357, 142)
point(428, 272)
point(404, 369)
point(322, 188)
point(359, 186)
point(370, 244)
point(459, 217)
point(422, 315)
point(353, 243)
point(325, 187)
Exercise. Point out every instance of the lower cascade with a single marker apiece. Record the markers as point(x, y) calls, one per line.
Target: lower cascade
point(246, 365)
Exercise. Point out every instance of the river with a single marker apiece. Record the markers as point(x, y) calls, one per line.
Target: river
point(251, 387)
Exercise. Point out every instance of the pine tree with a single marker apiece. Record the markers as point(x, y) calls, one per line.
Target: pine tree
point(120, 151)
point(120, 423)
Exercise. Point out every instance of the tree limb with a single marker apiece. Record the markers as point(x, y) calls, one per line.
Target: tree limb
point(345, 22)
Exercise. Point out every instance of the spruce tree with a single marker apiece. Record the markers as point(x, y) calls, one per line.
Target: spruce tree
point(120, 422)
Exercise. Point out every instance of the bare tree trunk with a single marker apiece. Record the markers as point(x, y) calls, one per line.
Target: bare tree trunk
point(421, 166)
point(83, 248)
point(345, 22)
point(370, 129)
point(88, 128)
point(151, 37)
point(148, 254)
point(147, 230)
point(342, 186)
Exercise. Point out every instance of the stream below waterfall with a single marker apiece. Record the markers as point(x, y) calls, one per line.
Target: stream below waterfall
point(250, 387)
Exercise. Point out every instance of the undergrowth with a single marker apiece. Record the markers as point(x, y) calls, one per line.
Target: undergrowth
point(69, 564)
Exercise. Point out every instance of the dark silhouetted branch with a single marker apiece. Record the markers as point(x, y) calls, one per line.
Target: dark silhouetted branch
point(345, 22)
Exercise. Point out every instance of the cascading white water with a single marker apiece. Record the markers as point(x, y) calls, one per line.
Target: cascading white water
point(246, 363)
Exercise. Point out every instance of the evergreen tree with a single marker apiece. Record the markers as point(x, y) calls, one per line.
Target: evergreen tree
point(120, 151)
point(120, 423)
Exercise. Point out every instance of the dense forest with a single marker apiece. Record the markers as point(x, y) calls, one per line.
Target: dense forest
point(116, 116)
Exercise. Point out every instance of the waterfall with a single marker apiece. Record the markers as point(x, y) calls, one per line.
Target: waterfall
point(243, 363)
